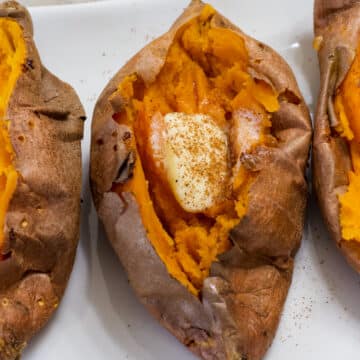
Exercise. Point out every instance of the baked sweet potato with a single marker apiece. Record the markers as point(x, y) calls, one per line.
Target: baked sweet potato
point(199, 146)
point(336, 151)
point(40, 180)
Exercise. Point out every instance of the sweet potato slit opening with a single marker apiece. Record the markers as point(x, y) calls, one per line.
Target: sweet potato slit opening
point(347, 109)
point(205, 72)
point(12, 56)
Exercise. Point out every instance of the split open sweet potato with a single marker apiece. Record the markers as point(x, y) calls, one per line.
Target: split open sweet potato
point(336, 155)
point(41, 125)
point(199, 147)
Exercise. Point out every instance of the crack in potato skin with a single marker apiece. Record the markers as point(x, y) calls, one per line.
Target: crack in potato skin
point(12, 58)
point(205, 72)
point(348, 114)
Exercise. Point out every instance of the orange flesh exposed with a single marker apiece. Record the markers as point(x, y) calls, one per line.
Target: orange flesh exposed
point(205, 73)
point(12, 57)
point(347, 107)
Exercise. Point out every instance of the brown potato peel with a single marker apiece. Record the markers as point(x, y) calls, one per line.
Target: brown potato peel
point(337, 25)
point(42, 221)
point(241, 301)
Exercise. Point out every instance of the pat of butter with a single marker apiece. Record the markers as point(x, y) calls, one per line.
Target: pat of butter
point(196, 160)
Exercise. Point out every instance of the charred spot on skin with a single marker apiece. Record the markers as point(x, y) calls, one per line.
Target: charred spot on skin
point(39, 209)
point(261, 45)
point(190, 343)
point(83, 118)
point(28, 65)
point(280, 262)
point(126, 169)
point(221, 22)
point(100, 142)
point(21, 138)
point(126, 136)
point(31, 124)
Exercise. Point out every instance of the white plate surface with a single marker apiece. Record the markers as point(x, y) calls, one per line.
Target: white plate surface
point(100, 318)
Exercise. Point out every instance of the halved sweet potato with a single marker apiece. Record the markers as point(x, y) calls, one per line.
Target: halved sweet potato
point(41, 125)
point(336, 151)
point(199, 146)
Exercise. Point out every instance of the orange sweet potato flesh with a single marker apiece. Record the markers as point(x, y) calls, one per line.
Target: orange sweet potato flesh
point(348, 112)
point(12, 57)
point(205, 72)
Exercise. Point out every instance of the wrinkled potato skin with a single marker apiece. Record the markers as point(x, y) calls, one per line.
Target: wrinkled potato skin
point(34, 277)
point(337, 23)
point(242, 298)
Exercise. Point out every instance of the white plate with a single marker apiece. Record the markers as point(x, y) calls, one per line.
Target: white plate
point(100, 318)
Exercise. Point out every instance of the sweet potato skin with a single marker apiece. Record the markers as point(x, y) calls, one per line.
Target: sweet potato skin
point(42, 221)
point(242, 299)
point(337, 26)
